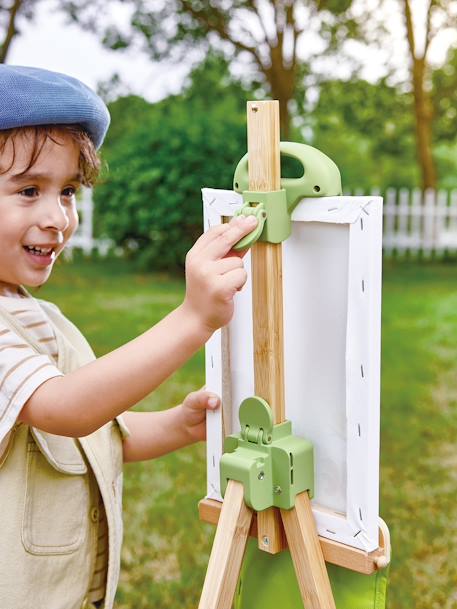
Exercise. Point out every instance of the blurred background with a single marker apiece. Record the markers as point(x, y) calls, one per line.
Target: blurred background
point(373, 84)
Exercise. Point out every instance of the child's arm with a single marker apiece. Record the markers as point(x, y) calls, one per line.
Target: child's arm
point(153, 434)
point(80, 402)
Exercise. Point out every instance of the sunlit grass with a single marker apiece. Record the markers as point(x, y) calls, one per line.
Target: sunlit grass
point(166, 547)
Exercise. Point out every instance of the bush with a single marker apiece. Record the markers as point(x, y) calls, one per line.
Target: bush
point(159, 157)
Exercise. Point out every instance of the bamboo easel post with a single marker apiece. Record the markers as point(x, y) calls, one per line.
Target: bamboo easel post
point(264, 162)
point(265, 175)
point(228, 550)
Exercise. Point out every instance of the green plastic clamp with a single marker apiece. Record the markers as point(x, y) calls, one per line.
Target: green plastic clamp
point(257, 210)
point(321, 178)
point(272, 464)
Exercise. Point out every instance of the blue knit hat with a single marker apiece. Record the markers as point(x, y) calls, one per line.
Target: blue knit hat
point(32, 96)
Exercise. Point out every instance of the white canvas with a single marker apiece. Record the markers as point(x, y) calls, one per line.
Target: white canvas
point(332, 316)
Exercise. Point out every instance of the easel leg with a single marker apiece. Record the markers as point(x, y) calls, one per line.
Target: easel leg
point(270, 534)
point(307, 556)
point(228, 550)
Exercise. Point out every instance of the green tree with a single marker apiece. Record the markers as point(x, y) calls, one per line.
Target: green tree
point(438, 16)
point(424, 24)
point(269, 36)
point(159, 157)
point(10, 13)
point(444, 98)
point(366, 129)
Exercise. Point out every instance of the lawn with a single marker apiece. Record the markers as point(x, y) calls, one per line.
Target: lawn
point(166, 547)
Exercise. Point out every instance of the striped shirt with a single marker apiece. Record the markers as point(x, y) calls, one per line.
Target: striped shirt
point(22, 369)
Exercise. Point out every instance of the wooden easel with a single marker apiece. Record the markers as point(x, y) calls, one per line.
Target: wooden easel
point(235, 517)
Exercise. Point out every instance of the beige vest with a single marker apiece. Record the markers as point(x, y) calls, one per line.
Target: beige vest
point(47, 499)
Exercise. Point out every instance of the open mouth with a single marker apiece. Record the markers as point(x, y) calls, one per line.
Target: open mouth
point(39, 251)
point(39, 255)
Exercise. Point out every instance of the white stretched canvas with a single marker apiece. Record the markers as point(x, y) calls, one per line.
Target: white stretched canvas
point(332, 320)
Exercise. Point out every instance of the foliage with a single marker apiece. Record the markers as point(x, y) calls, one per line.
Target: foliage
point(10, 12)
point(444, 96)
point(159, 158)
point(166, 548)
point(270, 39)
point(161, 155)
point(444, 99)
point(367, 130)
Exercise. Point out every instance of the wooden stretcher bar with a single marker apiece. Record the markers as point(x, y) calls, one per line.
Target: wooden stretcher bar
point(334, 552)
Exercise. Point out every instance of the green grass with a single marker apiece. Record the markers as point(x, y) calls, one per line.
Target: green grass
point(166, 548)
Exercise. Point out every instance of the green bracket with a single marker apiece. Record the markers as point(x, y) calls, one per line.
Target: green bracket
point(321, 178)
point(272, 464)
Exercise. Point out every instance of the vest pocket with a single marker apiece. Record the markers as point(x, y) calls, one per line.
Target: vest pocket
point(55, 510)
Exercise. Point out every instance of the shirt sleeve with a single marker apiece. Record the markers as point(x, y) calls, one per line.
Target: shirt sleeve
point(22, 371)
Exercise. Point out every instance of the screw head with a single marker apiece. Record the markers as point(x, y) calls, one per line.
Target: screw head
point(261, 475)
point(265, 540)
point(277, 490)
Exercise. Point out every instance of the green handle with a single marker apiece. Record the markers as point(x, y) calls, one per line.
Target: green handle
point(321, 176)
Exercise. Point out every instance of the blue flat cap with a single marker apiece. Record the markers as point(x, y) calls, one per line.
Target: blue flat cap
point(32, 96)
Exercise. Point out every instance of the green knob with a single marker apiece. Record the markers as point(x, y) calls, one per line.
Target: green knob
point(249, 240)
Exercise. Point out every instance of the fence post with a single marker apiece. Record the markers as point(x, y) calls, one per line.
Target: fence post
point(452, 228)
point(441, 218)
point(87, 226)
point(429, 223)
point(403, 237)
point(389, 223)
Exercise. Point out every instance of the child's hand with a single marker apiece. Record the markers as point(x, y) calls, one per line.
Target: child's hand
point(193, 412)
point(214, 273)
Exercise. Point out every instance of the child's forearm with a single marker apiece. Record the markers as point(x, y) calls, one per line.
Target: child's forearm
point(80, 402)
point(153, 434)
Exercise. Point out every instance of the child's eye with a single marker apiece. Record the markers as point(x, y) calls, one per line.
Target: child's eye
point(70, 191)
point(31, 191)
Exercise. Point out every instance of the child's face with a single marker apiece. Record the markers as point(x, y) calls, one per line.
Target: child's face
point(37, 210)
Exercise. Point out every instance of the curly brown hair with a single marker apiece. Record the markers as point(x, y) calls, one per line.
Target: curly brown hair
point(89, 160)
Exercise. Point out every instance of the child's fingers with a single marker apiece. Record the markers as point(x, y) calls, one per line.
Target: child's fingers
point(208, 236)
point(223, 241)
point(233, 281)
point(200, 400)
point(226, 265)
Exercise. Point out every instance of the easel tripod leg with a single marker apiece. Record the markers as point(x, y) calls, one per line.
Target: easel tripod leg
point(307, 555)
point(228, 550)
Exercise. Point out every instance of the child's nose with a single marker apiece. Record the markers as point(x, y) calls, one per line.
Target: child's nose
point(55, 215)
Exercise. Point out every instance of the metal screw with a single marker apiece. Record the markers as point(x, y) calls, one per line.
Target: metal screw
point(265, 540)
point(277, 490)
point(261, 476)
point(254, 108)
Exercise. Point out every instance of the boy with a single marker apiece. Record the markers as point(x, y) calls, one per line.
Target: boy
point(62, 442)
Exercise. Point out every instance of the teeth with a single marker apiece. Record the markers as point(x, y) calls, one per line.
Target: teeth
point(43, 251)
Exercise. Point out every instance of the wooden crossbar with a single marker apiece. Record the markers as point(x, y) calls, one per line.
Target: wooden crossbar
point(334, 552)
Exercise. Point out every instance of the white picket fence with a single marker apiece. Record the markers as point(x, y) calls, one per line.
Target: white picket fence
point(84, 239)
point(415, 223)
point(420, 223)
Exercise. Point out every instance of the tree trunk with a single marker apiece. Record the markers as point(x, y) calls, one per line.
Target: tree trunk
point(281, 79)
point(424, 117)
point(422, 104)
point(11, 30)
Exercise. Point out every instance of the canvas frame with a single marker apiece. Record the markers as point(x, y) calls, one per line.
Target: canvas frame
point(340, 238)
